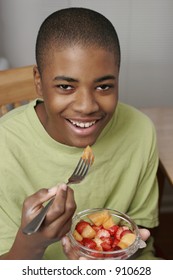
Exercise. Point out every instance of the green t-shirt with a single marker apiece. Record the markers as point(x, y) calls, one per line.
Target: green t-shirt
point(123, 176)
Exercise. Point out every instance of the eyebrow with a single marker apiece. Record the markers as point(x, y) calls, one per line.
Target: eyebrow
point(104, 78)
point(65, 78)
point(72, 80)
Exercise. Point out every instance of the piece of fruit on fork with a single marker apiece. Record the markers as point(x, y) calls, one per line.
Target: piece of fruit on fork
point(88, 154)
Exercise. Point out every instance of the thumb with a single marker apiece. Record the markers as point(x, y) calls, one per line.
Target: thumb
point(144, 233)
point(68, 250)
point(66, 244)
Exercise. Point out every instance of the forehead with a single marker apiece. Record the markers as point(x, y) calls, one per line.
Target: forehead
point(80, 59)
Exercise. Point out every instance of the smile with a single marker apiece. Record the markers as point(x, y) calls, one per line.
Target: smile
point(82, 124)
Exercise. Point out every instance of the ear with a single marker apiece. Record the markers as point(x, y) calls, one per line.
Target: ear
point(37, 81)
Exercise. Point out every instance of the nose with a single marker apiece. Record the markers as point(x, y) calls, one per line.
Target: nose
point(86, 102)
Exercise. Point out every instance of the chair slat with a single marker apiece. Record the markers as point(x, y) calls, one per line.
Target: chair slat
point(16, 87)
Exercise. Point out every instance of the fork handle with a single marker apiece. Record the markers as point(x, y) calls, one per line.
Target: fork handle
point(35, 224)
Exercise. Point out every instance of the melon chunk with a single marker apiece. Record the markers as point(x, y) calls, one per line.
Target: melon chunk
point(99, 218)
point(126, 240)
point(88, 232)
point(77, 235)
point(108, 223)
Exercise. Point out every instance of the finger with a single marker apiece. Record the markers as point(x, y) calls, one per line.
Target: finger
point(68, 249)
point(58, 207)
point(35, 201)
point(61, 224)
point(58, 233)
point(144, 233)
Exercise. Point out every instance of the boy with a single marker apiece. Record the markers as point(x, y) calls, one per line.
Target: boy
point(76, 78)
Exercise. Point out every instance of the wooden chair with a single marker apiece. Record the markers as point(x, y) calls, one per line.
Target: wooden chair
point(16, 88)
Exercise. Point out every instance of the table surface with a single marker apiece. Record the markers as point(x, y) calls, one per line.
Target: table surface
point(163, 121)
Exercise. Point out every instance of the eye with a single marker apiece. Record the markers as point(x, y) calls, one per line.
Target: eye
point(65, 87)
point(104, 87)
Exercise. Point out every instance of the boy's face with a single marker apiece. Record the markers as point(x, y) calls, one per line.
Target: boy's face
point(80, 91)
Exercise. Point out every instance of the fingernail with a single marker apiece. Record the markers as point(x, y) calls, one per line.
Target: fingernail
point(53, 190)
point(63, 240)
point(63, 187)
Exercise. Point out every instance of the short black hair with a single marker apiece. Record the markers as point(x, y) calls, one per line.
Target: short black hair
point(75, 26)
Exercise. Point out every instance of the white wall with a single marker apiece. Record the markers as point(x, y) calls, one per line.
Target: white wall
point(20, 21)
point(145, 30)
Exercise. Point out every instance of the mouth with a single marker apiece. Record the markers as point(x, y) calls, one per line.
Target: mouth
point(84, 131)
point(83, 124)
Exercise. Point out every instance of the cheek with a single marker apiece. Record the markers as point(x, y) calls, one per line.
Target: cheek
point(53, 102)
point(109, 104)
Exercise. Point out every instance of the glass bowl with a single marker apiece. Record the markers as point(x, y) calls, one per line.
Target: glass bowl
point(120, 219)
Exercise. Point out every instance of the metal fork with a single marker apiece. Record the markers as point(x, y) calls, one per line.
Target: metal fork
point(77, 176)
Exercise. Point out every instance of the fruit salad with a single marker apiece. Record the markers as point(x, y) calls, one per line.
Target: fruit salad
point(100, 232)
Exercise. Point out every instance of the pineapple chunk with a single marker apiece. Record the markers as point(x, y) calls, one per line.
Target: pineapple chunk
point(98, 218)
point(88, 232)
point(77, 235)
point(127, 240)
point(108, 223)
point(88, 154)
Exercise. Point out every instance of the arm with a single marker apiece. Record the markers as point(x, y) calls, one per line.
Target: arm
point(56, 224)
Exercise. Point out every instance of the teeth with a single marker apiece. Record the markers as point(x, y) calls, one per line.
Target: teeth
point(82, 124)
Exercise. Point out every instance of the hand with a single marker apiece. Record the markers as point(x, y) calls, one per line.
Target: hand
point(69, 251)
point(56, 224)
point(59, 217)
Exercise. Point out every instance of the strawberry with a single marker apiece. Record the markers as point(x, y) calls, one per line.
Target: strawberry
point(90, 243)
point(112, 230)
point(115, 243)
point(119, 231)
point(96, 228)
point(108, 240)
point(116, 248)
point(81, 225)
point(98, 241)
point(97, 255)
point(103, 233)
point(106, 246)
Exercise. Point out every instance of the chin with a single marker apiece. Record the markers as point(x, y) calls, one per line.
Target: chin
point(83, 143)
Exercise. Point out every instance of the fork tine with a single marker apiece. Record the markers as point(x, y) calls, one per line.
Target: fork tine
point(81, 168)
point(85, 169)
point(78, 166)
point(80, 171)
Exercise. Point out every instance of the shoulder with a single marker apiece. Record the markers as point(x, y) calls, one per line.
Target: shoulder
point(131, 112)
point(13, 123)
point(16, 114)
point(132, 127)
point(134, 118)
